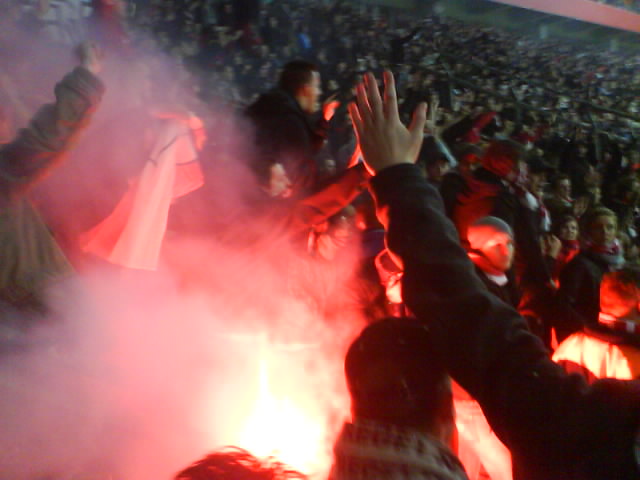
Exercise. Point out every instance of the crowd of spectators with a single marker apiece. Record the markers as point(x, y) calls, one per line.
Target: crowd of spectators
point(632, 5)
point(533, 145)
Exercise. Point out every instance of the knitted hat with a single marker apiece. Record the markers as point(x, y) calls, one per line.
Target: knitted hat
point(484, 229)
point(391, 366)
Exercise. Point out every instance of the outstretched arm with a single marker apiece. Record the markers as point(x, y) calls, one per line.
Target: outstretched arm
point(36, 148)
point(568, 429)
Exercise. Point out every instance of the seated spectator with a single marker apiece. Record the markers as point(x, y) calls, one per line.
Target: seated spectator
point(611, 348)
point(236, 464)
point(401, 405)
point(580, 279)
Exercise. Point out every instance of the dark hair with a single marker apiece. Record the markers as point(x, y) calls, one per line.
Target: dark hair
point(394, 373)
point(233, 463)
point(597, 212)
point(559, 178)
point(560, 222)
point(295, 75)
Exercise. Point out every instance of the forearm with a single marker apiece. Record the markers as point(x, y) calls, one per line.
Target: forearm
point(37, 147)
point(331, 199)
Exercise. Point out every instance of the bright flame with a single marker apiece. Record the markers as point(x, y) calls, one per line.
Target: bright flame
point(283, 423)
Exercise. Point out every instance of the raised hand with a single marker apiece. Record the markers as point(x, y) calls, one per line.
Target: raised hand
point(90, 57)
point(382, 137)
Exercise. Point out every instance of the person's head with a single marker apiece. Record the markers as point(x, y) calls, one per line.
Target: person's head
point(491, 245)
point(601, 226)
point(396, 377)
point(620, 293)
point(539, 172)
point(596, 194)
point(582, 202)
point(437, 168)
point(567, 229)
point(327, 167)
point(502, 158)
point(433, 162)
point(626, 189)
point(234, 463)
point(301, 80)
point(468, 156)
point(562, 186)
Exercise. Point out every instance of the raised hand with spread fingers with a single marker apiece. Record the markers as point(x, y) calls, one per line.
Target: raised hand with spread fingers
point(382, 137)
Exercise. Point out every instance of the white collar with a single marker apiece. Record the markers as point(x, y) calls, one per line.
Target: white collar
point(500, 280)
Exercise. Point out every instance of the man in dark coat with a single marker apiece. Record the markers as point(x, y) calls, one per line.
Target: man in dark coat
point(29, 256)
point(560, 427)
point(286, 131)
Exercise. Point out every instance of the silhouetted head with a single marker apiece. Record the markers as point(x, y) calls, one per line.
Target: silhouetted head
point(301, 80)
point(234, 463)
point(395, 376)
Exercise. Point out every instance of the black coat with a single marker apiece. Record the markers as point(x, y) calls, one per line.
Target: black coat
point(286, 134)
point(555, 423)
point(578, 299)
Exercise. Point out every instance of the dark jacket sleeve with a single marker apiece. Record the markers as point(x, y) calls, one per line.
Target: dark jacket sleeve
point(541, 413)
point(36, 148)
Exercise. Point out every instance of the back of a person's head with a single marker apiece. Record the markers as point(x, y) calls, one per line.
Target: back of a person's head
point(394, 374)
point(295, 75)
point(234, 463)
point(620, 291)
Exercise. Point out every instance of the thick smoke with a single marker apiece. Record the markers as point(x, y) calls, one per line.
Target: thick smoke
point(236, 340)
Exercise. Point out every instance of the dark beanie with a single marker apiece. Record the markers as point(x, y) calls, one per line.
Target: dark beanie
point(392, 369)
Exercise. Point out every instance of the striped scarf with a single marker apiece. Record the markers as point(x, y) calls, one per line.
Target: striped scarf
point(367, 450)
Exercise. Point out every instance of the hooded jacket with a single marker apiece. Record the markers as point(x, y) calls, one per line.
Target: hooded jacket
point(29, 256)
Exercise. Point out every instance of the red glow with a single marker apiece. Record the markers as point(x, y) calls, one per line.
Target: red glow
point(285, 426)
point(282, 409)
